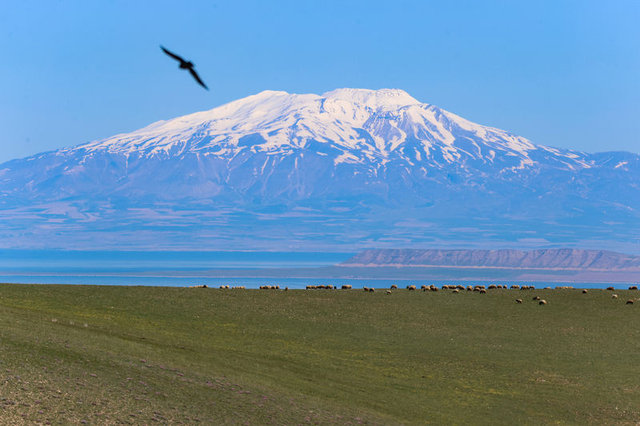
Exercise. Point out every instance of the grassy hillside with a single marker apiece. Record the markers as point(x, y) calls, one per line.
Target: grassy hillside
point(105, 355)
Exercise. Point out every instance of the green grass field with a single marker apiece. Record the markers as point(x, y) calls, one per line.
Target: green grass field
point(139, 355)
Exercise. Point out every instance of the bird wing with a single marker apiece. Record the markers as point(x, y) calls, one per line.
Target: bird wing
point(197, 77)
point(173, 55)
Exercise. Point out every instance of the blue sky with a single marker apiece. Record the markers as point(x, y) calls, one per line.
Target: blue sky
point(561, 73)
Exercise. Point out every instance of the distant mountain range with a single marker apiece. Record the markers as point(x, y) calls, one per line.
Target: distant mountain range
point(346, 170)
point(548, 259)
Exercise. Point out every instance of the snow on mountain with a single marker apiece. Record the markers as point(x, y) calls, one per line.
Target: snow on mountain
point(373, 168)
point(365, 125)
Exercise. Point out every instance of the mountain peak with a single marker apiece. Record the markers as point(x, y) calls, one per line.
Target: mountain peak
point(373, 98)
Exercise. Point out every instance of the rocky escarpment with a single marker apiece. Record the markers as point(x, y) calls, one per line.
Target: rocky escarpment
point(571, 259)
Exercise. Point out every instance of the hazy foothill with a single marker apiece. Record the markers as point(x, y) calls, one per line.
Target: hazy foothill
point(339, 250)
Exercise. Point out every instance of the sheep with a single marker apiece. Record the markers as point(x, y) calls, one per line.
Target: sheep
point(630, 302)
point(389, 291)
point(633, 287)
point(371, 290)
point(365, 288)
point(483, 291)
point(584, 291)
point(411, 287)
point(394, 287)
point(542, 302)
point(610, 288)
point(536, 298)
point(492, 287)
point(518, 300)
point(456, 291)
point(614, 296)
point(433, 288)
point(515, 287)
point(346, 287)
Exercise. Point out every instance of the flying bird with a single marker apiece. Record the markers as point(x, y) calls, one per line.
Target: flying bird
point(186, 65)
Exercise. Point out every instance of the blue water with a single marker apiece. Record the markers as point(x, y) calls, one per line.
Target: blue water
point(292, 283)
point(162, 268)
point(154, 268)
point(122, 262)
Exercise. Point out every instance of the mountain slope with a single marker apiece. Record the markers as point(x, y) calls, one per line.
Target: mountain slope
point(351, 168)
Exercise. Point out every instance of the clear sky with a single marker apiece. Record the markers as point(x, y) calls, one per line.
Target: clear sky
point(561, 73)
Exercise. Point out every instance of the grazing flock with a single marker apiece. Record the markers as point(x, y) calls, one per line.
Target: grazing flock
point(454, 288)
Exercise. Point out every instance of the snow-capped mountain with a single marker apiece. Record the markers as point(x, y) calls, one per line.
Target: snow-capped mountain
point(360, 126)
point(346, 169)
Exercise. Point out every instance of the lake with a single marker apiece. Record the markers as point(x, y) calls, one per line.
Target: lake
point(179, 268)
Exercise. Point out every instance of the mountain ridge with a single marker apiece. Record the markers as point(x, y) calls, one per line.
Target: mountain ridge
point(351, 168)
point(547, 259)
